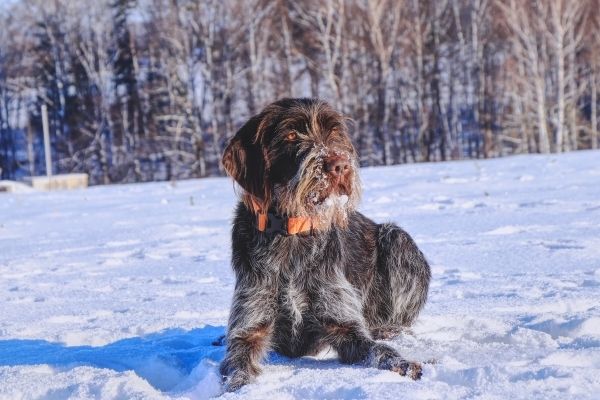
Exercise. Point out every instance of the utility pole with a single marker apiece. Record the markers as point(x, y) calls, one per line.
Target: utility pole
point(46, 130)
point(47, 154)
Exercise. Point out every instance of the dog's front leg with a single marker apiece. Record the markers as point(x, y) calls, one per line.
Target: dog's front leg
point(346, 331)
point(249, 331)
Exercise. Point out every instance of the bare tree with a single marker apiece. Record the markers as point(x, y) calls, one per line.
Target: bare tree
point(325, 20)
point(529, 47)
point(152, 90)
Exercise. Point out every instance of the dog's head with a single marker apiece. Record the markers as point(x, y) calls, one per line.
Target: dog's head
point(296, 157)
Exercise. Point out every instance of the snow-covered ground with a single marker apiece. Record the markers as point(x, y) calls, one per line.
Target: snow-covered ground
point(119, 291)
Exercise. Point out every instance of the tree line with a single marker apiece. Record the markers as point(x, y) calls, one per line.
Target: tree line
point(153, 89)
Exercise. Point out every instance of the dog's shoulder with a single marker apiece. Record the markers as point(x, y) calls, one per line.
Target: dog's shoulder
point(242, 217)
point(242, 229)
point(359, 224)
point(360, 238)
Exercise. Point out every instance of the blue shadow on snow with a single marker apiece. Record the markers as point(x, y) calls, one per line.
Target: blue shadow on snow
point(163, 358)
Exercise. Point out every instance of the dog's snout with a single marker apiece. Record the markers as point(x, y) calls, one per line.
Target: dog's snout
point(337, 165)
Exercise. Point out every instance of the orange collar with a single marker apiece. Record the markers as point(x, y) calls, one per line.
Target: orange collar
point(272, 223)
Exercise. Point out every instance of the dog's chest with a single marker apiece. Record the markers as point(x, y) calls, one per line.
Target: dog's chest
point(296, 276)
point(299, 266)
point(294, 301)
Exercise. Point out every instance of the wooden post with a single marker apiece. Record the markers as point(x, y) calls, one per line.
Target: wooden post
point(46, 141)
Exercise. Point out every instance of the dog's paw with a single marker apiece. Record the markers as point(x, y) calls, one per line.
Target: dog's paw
point(385, 357)
point(236, 380)
point(407, 368)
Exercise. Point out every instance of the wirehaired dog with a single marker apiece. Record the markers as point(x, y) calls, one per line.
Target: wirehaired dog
point(312, 271)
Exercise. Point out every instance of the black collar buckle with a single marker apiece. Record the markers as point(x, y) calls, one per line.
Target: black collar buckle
point(276, 224)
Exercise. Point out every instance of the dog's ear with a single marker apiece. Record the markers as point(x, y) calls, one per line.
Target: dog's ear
point(244, 160)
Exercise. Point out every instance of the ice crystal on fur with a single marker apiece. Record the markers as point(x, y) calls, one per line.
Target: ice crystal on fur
point(311, 192)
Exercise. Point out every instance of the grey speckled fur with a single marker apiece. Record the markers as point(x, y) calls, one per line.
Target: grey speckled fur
point(343, 287)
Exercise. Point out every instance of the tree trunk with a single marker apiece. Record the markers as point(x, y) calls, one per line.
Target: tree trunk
point(594, 110)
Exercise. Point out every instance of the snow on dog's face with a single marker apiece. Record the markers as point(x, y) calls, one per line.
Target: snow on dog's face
point(297, 157)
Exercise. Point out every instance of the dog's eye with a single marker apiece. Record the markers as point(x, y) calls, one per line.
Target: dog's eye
point(291, 136)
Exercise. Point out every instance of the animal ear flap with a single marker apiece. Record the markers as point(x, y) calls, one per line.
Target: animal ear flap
point(244, 161)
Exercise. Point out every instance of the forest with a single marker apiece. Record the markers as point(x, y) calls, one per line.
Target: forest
point(153, 89)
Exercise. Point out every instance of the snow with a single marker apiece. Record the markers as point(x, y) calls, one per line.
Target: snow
point(12, 186)
point(120, 291)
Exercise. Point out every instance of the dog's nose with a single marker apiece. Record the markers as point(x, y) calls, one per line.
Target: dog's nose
point(337, 166)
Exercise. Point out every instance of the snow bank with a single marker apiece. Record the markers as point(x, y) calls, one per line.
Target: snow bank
point(15, 187)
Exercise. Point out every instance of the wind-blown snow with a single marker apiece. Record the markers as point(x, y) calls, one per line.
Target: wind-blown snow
point(119, 291)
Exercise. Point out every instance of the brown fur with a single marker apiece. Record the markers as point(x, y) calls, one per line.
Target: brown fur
point(343, 285)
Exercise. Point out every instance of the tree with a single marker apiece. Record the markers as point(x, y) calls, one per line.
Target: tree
point(153, 90)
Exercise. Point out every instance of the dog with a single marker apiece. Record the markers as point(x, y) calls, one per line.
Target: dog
point(310, 270)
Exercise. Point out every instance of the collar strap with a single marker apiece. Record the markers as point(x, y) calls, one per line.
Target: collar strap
point(272, 223)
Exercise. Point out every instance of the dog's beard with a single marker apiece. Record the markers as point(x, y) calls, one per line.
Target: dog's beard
point(315, 193)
